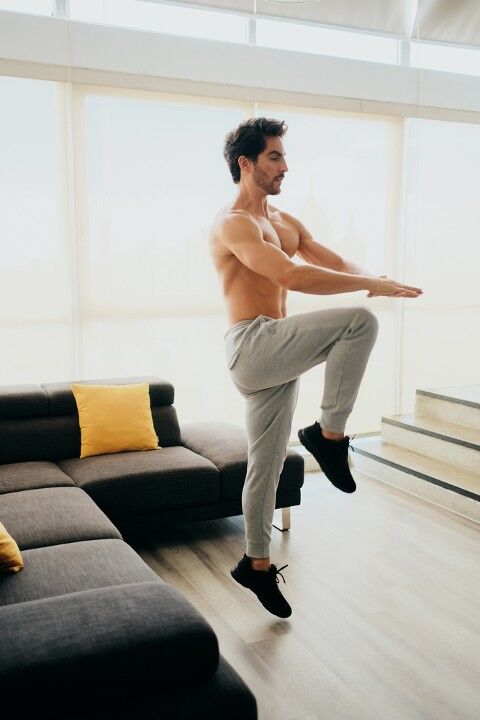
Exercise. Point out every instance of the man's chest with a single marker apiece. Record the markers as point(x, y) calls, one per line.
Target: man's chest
point(282, 234)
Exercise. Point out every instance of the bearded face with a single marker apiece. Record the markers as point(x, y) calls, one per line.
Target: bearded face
point(270, 184)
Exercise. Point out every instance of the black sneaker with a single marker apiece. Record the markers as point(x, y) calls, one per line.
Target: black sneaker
point(264, 584)
point(331, 455)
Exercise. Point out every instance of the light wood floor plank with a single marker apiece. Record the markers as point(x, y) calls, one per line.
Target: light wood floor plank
point(384, 591)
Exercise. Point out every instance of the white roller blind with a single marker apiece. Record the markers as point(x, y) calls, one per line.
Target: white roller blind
point(385, 16)
point(452, 21)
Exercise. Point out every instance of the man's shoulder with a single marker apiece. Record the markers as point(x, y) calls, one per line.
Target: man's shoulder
point(228, 226)
point(225, 212)
point(221, 219)
point(229, 217)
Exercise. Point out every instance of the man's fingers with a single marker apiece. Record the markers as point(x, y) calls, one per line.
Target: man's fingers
point(405, 292)
point(411, 287)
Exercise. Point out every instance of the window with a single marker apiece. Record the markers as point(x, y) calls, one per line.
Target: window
point(34, 7)
point(445, 57)
point(164, 18)
point(325, 41)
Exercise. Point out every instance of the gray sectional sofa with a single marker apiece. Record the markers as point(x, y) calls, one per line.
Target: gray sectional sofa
point(87, 629)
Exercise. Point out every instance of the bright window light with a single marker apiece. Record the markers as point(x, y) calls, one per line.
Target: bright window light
point(445, 57)
point(33, 7)
point(155, 17)
point(324, 41)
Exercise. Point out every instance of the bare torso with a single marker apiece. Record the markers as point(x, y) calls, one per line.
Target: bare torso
point(248, 294)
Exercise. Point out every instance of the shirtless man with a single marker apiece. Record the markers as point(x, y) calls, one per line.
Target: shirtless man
point(251, 244)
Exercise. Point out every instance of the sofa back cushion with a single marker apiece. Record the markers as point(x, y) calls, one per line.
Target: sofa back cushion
point(40, 422)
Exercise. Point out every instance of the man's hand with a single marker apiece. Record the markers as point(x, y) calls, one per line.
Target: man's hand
point(390, 288)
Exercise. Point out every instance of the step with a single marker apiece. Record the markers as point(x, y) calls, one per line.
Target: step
point(451, 443)
point(447, 486)
point(457, 405)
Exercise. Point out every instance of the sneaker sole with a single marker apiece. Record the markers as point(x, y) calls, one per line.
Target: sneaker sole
point(313, 451)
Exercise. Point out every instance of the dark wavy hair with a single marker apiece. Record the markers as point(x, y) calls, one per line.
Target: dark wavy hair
point(250, 139)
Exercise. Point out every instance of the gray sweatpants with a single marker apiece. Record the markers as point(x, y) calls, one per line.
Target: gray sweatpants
point(265, 358)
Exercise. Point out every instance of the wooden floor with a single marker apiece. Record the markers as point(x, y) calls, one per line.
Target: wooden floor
point(384, 589)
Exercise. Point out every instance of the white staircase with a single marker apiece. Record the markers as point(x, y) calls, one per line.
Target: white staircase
point(434, 453)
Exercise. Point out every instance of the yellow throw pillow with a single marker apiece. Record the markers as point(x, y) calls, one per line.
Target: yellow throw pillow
point(114, 418)
point(10, 557)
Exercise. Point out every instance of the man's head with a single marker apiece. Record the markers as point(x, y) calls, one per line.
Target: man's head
point(254, 152)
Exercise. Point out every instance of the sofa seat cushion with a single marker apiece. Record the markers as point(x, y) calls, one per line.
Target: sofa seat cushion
point(112, 652)
point(133, 483)
point(33, 474)
point(62, 569)
point(51, 516)
point(225, 445)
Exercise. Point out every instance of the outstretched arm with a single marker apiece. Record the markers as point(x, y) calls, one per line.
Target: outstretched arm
point(243, 237)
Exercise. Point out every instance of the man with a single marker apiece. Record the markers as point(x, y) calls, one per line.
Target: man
point(251, 243)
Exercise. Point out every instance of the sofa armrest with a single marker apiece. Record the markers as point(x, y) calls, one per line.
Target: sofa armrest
point(103, 646)
point(222, 443)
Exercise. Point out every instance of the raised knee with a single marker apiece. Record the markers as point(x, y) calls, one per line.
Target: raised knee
point(367, 317)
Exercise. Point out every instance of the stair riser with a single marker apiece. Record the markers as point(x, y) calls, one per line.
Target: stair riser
point(423, 444)
point(403, 480)
point(451, 412)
